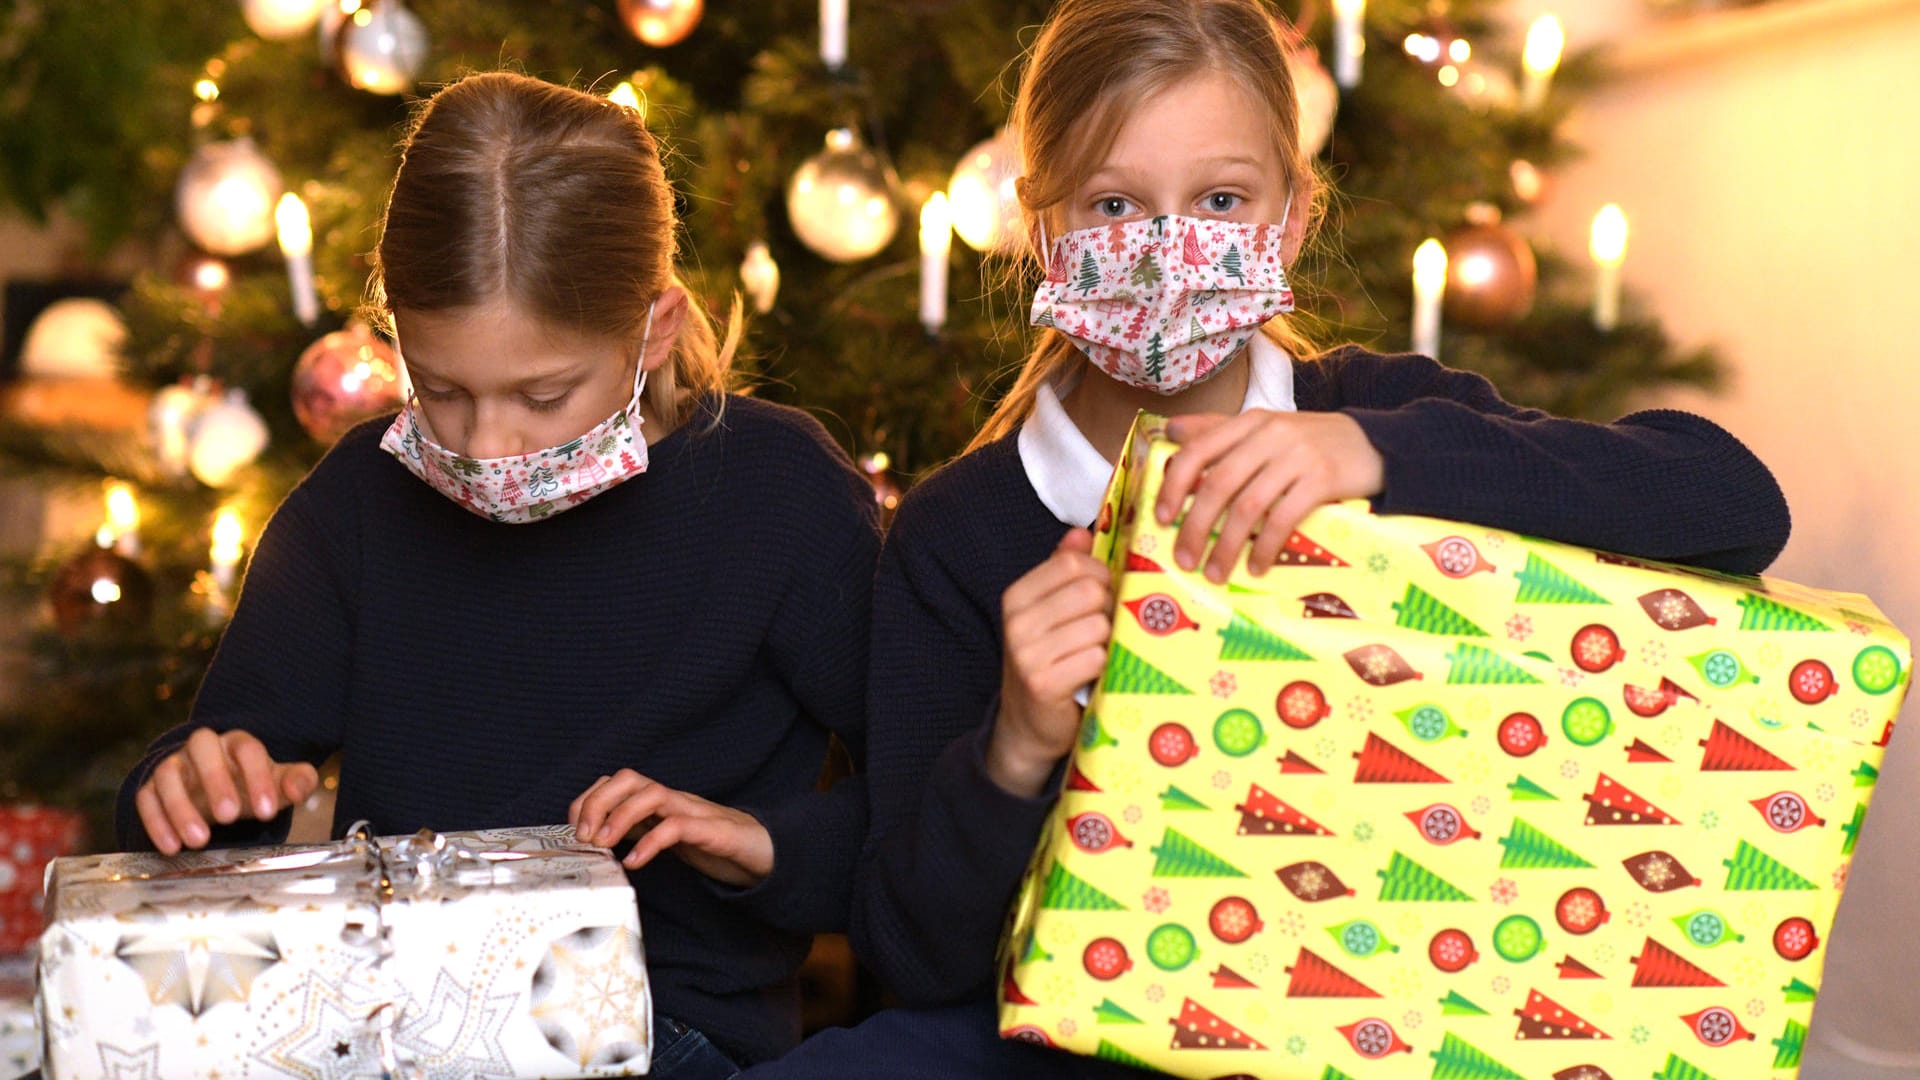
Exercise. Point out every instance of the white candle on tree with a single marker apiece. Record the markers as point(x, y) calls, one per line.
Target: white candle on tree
point(225, 553)
point(123, 519)
point(296, 243)
point(1608, 246)
point(1348, 42)
point(833, 33)
point(1545, 39)
point(1429, 284)
point(936, 243)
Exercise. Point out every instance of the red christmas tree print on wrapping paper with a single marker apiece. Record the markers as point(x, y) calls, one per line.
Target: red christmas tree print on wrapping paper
point(1729, 751)
point(1314, 977)
point(1639, 753)
point(1544, 1018)
point(1225, 978)
point(1574, 969)
point(1264, 815)
point(1302, 550)
point(1197, 1028)
point(1659, 966)
point(1294, 763)
point(1610, 803)
point(1381, 762)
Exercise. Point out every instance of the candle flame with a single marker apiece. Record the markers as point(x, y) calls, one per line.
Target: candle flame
point(123, 513)
point(1429, 265)
point(1608, 243)
point(936, 224)
point(227, 534)
point(105, 591)
point(625, 95)
point(296, 230)
point(1545, 39)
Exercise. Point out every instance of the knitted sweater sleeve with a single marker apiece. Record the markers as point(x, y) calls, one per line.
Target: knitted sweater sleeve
point(1660, 484)
point(947, 845)
point(280, 670)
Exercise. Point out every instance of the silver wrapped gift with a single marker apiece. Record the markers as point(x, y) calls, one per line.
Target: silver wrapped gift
point(498, 953)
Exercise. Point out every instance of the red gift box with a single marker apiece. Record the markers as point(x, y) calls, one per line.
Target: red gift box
point(30, 838)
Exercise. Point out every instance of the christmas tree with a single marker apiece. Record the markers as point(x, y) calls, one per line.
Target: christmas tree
point(1108, 1013)
point(1525, 790)
point(1419, 610)
point(1789, 1046)
point(1106, 1051)
point(1679, 1068)
point(1089, 273)
point(1764, 613)
point(1178, 856)
point(1541, 582)
point(1315, 977)
point(1530, 849)
point(1753, 869)
point(1066, 892)
point(1127, 673)
point(1797, 992)
point(1175, 799)
point(1479, 665)
point(742, 98)
point(1660, 966)
point(1455, 1005)
point(1244, 639)
point(1458, 1059)
point(1404, 879)
point(1852, 828)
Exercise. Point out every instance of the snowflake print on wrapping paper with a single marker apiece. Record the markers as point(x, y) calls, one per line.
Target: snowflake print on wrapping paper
point(1770, 654)
point(1410, 925)
point(1604, 954)
point(1500, 984)
point(1504, 891)
point(1363, 831)
point(1674, 609)
point(1819, 757)
point(1223, 684)
point(1293, 925)
point(1405, 983)
point(1670, 735)
point(1858, 718)
point(1360, 709)
point(1066, 1027)
point(1653, 654)
point(1325, 749)
point(1482, 805)
point(1222, 779)
point(1474, 768)
point(1258, 962)
point(1857, 627)
point(1571, 677)
point(1133, 814)
point(1570, 768)
point(1840, 877)
point(1494, 540)
point(1296, 1045)
point(1519, 627)
point(1156, 900)
point(1058, 987)
point(1756, 1008)
point(1639, 914)
point(1379, 562)
point(1145, 543)
point(1709, 820)
point(1155, 993)
point(1750, 971)
point(1412, 1019)
point(1641, 1033)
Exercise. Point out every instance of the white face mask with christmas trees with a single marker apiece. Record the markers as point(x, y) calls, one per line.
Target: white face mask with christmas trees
point(1162, 303)
point(536, 486)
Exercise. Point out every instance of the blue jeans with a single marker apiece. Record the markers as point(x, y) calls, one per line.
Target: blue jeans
point(683, 1053)
point(957, 1042)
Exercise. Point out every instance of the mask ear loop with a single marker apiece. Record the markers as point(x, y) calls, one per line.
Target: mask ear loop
point(640, 364)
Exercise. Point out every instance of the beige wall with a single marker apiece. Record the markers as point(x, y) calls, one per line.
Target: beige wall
point(1769, 165)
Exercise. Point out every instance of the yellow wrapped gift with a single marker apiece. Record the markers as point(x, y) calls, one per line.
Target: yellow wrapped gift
point(1438, 800)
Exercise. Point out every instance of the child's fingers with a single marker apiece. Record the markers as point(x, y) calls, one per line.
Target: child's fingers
point(658, 839)
point(1077, 541)
point(256, 769)
point(170, 786)
point(1203, 439)
point(1212, 501)
point(633, 811)
point(154, 817)
point(1245, 513)
point(214, 773)
point(297, 781)
point(1061, 567)
point(600, 801)
point(573, 808)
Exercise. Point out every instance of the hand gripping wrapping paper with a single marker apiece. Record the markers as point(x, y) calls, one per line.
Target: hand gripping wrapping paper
point(499, 953)
point(1437, 800)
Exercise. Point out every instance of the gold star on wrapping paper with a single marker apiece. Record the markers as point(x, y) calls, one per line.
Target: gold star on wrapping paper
point(588, 996)
point(198, 960)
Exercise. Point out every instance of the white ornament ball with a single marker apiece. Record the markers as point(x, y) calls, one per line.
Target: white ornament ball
point(224, 438)
point(760, 276)
point(226, 196)
point(74, 338)
point(1318, 98)
point(383, 48)
point(980, 195)
point(170, 417)
point(839, 201)
point(278, 20)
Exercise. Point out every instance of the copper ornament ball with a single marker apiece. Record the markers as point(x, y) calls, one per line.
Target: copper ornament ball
point(1491, 276)
point(343, 378)
point(661, 23)
point(100, 588)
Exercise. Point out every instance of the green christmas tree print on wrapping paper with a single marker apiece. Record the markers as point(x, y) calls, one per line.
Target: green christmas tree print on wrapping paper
point(1089, 278)
point(1128, 673)
point(1753, 870)
point(1679, 1068)
point(1420, 610)
point(1456, 1005)
point(1106, 1051)
point(1477, 665)
point(1764, 613)
point(1175, 799)
point(1245, 639)
point(1527, 848)
point(1108, 1013)
point(1179, 856)
point(1405, 880)
point(1790, 1045)
point(1458, 1059)
point(1525, 790)
point(1541, 582)
point(1066, 892)
point(1331, 1073)
point(1797, 992)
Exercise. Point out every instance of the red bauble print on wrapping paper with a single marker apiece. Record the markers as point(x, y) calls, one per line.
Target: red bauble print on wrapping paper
point(1094, 832)
point(1301, 705)
point(1717, 1026)
point(1160, 614)
point(1671, 609)
point(1521, 734)
point(1106, 959)
point(1234, 919)
point(1441, 824)
point(1456, 557)
point(1812, 682)
point(1580, 911)
point(1794, 938)
point(1451, 951)
point(1786, 812)
point(1374, 1039)
point(1596, 648)
point(1172, 744)
point(1027, 1033)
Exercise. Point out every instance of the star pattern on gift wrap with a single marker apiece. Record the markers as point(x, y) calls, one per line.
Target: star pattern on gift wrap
point(1840, 877)
point(119, 1064)
point(1570, 768)
point(1363, 831)
point(1709, 820)
point(1066, 1027)
point(587, 996)
point(1412, 1019)
point(1500, 984)
point(457, 1033)
point(196, 959)
point(322, 1012)
point(1638, 913)
point(1156, 993)
point(1571, 677)
point(1856, 627)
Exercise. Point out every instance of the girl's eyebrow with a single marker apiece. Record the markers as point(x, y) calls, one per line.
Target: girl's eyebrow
point(561, 374)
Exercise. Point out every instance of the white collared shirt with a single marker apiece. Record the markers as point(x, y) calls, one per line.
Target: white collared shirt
point(1071, 477)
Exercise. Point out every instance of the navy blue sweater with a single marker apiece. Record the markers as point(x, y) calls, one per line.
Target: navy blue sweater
point(704, 624)
point(948, 846)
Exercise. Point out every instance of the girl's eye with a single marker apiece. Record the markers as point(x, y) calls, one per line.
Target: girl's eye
point(1113, 206)
point(1221, 202)
point(427, 394)
point(545, 404)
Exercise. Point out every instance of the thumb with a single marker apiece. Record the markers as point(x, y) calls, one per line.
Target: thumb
point(1076, 540)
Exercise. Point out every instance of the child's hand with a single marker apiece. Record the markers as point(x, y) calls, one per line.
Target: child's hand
point(204, 779)
point(1055, 623)
point(1262, 471)
point(727, 845)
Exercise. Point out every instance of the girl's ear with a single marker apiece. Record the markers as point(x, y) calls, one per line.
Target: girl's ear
point(1295, 233)
point(669, 315)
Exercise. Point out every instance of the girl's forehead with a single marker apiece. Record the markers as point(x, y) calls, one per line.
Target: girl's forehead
point(1203, 119)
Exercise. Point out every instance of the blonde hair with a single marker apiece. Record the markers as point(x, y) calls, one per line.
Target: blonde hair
point(551, 198)
point(1093, 62)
